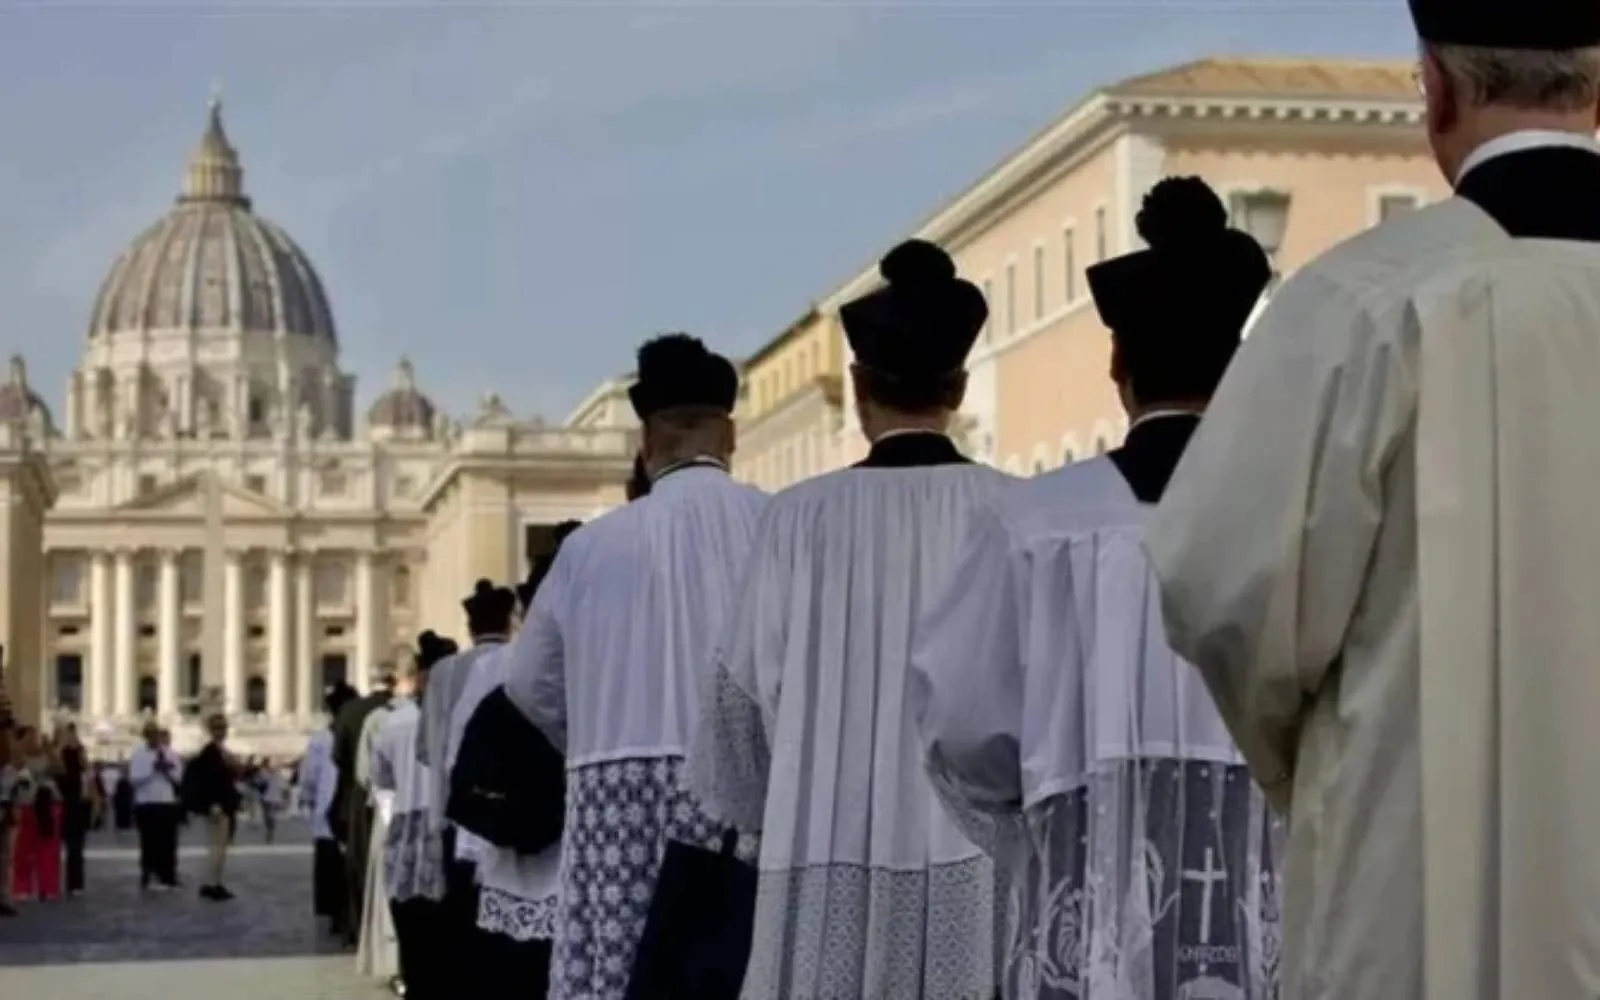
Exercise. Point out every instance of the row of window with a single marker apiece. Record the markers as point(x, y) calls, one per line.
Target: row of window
point(69, 685)
point(797, 369)
point(1263, 214)
point(1006, 313)
point(330, 583)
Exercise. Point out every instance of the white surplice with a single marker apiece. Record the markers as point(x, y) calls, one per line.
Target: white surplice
point(377, 954)
point(609, 665)
point(447, 679)
point(411, 856)
point(1070, 741)
point(868, 890)
point(308, 778)
point(1380, 549)
point(518, 894)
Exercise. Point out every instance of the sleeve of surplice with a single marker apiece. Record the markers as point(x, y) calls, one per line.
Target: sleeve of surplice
point(1261, 542)
point(382, 764)
point(536, 670)
point(730, 760)
point(967, 682)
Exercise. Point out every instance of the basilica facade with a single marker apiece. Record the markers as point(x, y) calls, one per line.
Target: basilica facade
point(229, 529)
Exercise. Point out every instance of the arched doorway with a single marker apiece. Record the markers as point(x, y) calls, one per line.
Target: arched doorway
point(149, 690)
point(255, 696)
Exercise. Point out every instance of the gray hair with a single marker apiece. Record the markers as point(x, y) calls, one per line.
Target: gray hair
point(1528, 80)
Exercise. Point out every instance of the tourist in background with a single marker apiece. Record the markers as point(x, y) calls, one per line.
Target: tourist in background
point(153, 776)
point(78, 786)
point(8, 778)
point(211, 791)
point(36, 806)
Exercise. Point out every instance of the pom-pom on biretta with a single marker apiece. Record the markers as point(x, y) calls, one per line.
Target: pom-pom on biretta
point(677, 370)
point(1197, 279)
point(922, 322)
point(1180, 211)
point(431, 648)
point(917, 264)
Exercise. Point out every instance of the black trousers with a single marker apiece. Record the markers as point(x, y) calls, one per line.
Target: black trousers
point(355, 869)
point(74, 831)
point(424, 961)
point(158, 842)
point(501, 960)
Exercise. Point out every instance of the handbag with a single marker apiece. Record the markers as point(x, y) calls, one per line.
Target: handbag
point(696, 940)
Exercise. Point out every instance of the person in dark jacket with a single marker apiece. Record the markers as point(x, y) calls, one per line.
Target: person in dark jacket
point(351, 815)
point(211, 791)
point(77, 779)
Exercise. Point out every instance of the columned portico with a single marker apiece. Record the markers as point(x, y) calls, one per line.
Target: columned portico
point(101, 618)
point(125, 673)
point(366, 611)
point(233, 679)
point(307, 702)
point(233, 530)
point(278, 642)
point(169, 667)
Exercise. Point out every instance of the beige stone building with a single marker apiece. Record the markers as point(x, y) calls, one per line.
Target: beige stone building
point(791, 403)
point(1305, 152)
point(228, 526)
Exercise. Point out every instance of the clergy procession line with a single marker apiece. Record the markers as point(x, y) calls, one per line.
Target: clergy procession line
point(1286, 697)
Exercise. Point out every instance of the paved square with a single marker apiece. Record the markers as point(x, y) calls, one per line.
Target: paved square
point(118, 943)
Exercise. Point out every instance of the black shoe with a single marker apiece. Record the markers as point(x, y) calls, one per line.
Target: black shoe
point(7, 910)
point(220, 893)
point(208, 892)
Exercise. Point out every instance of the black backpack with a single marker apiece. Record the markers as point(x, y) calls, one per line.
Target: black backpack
point(509, 784)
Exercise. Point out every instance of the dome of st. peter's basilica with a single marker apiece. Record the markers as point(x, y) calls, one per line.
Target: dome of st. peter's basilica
point(211, 263)
point(221, 527)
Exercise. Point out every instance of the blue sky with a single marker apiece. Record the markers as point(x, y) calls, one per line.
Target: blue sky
point(516, 194)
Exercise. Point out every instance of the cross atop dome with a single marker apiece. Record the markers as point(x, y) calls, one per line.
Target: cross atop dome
point(214, 172)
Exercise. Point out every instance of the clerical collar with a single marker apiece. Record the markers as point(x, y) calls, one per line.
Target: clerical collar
point(698, 462)
point(1521, 141)
point(910, 449)
point(1161, 414)
point(903, 431)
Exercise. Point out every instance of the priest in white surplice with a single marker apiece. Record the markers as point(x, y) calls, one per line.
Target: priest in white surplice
point(489, 612)
point(868, 891)
point(1381, 549)
point(412, 875)
point(609, 663)
point(1062, 731)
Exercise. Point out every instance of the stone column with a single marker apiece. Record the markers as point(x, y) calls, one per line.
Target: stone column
point(126, 680)
point(278, 636)
point(169, 629)
point(366, 613)
point(307, 702)
point(101, 616)
point(233, 679)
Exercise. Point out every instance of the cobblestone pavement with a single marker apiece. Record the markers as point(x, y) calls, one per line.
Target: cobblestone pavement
point(117, 943)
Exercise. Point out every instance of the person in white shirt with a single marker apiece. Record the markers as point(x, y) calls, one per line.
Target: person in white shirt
point(156, 774)
point(1061, 730)
point(867, 890)
point(610, 660)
